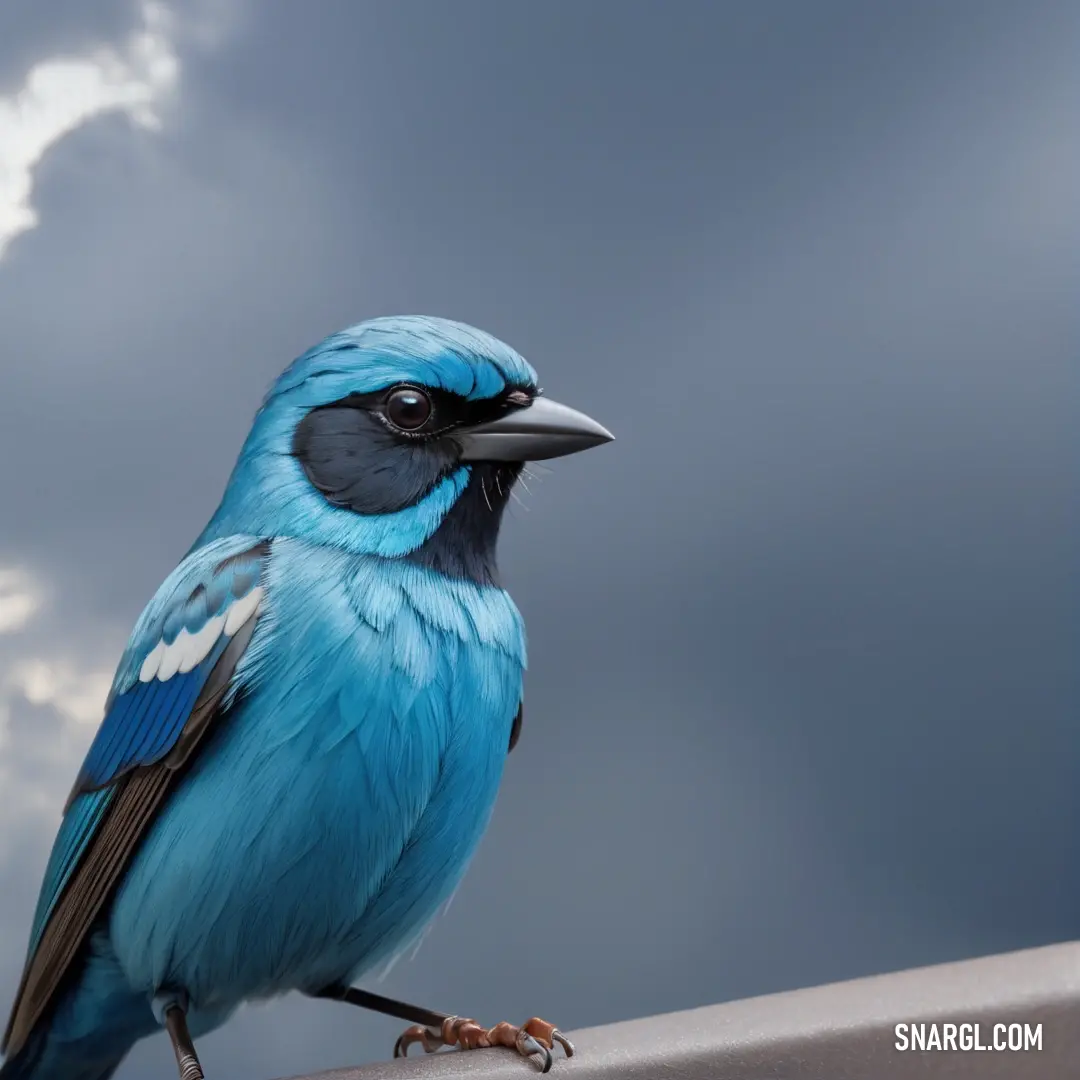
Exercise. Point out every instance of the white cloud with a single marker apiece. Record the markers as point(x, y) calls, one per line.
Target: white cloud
point(19, 599)
point(77, 695)
point(61, 94)
point(54, 678)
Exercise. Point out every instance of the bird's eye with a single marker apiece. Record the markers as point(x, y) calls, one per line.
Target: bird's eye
point(408, 408)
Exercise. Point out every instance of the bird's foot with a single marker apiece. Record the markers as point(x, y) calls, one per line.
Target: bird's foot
point(535, 1038)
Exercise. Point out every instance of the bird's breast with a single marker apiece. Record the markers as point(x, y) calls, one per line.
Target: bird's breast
point(342, 798)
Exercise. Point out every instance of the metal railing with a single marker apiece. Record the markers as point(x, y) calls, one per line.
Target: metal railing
point(845, 1031)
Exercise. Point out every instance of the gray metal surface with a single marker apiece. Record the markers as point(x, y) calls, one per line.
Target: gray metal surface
point(840, 1032)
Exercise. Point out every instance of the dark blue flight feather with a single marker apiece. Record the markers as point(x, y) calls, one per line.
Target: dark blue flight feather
point(144, 723)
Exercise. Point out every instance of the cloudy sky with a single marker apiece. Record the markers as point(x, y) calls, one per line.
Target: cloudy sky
point(803, 692)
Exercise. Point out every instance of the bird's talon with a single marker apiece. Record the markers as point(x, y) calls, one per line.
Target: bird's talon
point(430, 1040)
point(564, 1042)
point(527, 1047)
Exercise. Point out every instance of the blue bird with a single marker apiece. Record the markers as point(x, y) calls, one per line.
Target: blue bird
point(307, 728)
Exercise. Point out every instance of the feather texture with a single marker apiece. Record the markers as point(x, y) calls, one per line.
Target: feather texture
point(365, 756)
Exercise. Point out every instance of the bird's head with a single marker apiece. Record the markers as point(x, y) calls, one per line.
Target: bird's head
point(398, 437)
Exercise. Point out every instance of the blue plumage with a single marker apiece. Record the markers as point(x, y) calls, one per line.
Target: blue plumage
point(362, 713)
point(307, 730)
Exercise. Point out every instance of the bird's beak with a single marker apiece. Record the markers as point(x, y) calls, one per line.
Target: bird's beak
point(544, 429)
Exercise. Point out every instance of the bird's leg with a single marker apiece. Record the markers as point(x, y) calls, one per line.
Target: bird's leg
point(175, 1020)
point(364, 999)
point(434, 1030)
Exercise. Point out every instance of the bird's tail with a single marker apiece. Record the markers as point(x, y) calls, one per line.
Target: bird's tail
point(21, 1066)
point(24, 1064)
point(89, 1030)
point(36, 1060)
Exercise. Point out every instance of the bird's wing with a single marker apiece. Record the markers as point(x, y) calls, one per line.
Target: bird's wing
point(175, 676)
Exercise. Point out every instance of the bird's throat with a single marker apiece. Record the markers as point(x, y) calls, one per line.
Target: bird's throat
point(463, 546)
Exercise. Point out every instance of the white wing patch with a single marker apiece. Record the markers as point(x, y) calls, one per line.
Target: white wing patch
point(239, 613)
point(189, 650)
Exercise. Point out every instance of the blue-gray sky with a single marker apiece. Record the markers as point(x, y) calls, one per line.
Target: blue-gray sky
point(803, 695)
